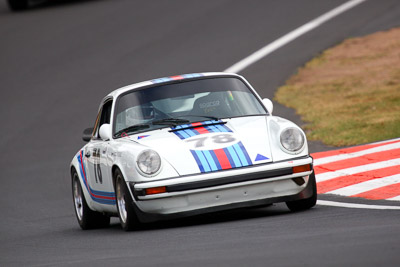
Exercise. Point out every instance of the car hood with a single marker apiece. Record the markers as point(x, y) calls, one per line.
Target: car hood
point(211, 145)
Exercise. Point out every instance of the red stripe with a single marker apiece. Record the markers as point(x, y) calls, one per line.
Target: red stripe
point(87, 184)
point(349, 150)
point(384, 192)
point(103, 197)
point(359, 161)
point(223, 159)
point(83, 169)
point(84, 173)
point(177, 77)
point(202, 130)
point(333, 184)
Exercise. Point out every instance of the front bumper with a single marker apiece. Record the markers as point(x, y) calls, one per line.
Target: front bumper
point(236, 188)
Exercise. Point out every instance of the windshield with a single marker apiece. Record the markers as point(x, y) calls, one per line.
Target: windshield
point(185, 102)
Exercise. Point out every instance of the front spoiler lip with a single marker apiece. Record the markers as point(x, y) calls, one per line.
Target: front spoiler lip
point(146, 217)
point(233, 177)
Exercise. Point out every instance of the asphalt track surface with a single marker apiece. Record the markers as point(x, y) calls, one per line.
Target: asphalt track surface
point(59, 59)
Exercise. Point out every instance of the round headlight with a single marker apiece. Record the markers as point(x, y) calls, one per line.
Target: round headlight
point(292, 139)
point(149, 162)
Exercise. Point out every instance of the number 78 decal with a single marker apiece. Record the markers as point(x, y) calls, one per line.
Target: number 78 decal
point(211, 141)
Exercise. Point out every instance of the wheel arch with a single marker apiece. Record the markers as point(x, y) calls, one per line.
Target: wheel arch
point(113, 170)
point(74, 167)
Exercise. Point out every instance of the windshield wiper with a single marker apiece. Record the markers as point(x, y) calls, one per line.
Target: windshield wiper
point(202, 116)
point(131, 129)
point(170, 121)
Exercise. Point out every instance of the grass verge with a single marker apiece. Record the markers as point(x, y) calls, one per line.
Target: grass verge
point(350, 94)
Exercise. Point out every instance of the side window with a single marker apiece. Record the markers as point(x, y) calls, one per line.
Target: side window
point(104, 116)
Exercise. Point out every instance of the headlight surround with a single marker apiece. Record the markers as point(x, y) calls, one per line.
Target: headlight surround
point(148, 162)
point(292, 140)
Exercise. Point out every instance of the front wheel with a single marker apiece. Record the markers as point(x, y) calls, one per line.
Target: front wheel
point(308, 203)
point(87, 218)
point(126, 212)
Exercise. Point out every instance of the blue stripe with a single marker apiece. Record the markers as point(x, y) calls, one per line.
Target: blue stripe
point(100, 193)
point(190, 132)
point(245, 153)
point(184, 134)
point(240, 154)
point(160, 80)
point(213, 129)
point(194, 131)
point(192, 75)
point(197, 160)
point(223, 128)
point(216, 161)
point(210, 160)
point(81, 169)
point(179, 135)
point(104, 201)
point(234, 156)
point(226, 128)
point(203, 161)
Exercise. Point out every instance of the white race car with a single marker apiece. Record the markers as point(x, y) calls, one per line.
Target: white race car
point(186, 145)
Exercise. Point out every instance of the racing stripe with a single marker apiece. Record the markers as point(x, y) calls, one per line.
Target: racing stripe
point(102, 197)
point(178, 77)
point(242, 154)
point(210, 159)
point(223, 159)
point(234, 156)
point(202, 130)
point(203, 164)
point(200, 163)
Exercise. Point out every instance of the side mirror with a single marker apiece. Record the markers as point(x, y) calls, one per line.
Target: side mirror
point(268, 105)
point(87, 134)
point(105, 131)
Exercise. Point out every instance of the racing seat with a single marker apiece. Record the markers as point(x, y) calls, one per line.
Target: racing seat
point(213, 105)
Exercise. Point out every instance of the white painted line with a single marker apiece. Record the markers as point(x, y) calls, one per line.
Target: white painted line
point(356, 206)
point(256, 56)
point(386, 141)
point(334, 158)
point(363, 168)
point(359, 188)
point(394, 198)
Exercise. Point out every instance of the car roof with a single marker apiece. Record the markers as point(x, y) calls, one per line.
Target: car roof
point(114, 94)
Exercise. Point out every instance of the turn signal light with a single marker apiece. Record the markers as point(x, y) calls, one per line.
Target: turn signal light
point(302, 168)
point(156, 190)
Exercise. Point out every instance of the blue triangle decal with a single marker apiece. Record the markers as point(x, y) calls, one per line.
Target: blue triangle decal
point(260, 157)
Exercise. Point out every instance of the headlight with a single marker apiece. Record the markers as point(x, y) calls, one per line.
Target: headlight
point(292, 139)
point(149, 162)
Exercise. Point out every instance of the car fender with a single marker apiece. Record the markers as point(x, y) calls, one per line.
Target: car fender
point(125, 155)
point(276, 125)
point(76, 165)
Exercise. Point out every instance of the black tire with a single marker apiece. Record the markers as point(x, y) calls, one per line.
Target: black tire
point(17, 5)
point(126, 211)
point(308, 203)
point(87, 218)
